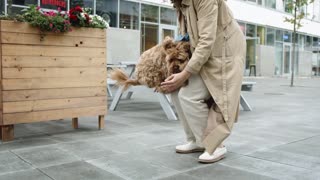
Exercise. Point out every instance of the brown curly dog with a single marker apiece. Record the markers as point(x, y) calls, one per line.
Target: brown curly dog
point(156, 64)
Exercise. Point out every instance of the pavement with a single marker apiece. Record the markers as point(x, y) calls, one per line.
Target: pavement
point(279, 139)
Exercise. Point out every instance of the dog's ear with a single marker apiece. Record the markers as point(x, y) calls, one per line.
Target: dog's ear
point(185, 46)
point(187, 49)
point(167, 43)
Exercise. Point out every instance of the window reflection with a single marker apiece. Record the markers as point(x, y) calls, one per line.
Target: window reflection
point(129, 15)
point(108, 10)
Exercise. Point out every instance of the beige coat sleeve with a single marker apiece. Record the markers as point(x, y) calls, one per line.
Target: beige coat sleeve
point(207, 12)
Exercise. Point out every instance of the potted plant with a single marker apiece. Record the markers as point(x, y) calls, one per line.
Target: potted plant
point(53, 66)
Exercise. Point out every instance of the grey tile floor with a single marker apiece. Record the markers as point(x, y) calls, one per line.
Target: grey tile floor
point(279, 139)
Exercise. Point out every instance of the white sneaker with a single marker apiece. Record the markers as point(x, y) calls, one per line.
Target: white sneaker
point(190, 147)
point(217, 155)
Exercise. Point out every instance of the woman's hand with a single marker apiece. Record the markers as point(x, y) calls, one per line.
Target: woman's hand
point(175, 81)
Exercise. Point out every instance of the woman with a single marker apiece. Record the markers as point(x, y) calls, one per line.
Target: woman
point(214, 71)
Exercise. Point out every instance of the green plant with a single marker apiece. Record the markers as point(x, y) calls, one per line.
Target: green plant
point(98, 22)
point(47, 21)
point(58, 21)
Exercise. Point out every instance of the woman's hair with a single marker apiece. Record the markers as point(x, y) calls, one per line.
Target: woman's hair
point(176, 3)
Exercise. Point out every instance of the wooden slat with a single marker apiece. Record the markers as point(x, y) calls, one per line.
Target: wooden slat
point(56, 51)
point(38, 94)
point(27, 73)
point(10, 26)
point(46, 83)
point(51, 40)
point(53, 114)
point(1, 117)
point(53, 104)
point(37, 61)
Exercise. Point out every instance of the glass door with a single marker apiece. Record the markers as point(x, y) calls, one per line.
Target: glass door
point(167, 30)
point(251, 56)
point(287, 48)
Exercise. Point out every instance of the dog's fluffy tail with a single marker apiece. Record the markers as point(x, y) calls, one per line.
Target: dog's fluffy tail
point(123, 79)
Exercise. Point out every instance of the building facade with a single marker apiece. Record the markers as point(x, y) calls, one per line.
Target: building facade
point(269, 38)
point(141, 24)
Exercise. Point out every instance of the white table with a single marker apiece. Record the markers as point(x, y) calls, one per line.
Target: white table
point(246, 86)
point(130, 67)
point(163, 99)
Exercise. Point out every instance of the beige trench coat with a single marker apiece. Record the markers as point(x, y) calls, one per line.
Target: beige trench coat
point(219, 49)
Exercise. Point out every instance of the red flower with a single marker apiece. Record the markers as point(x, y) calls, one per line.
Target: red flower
point(78, 8)
point(87, 17)
point(73, 17)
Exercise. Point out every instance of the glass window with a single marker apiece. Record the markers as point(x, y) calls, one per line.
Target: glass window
point(279, 58)
point(251, 30)
point(301, 40)
point(242, 27)
point(308, 42)
point(315, 41)
point(2, 7)
point(15, 10)
point(261, 33)
point(149, 13)
point(74, 3)
point(287, 7)
point(82, 3)
point(49, 4)
point(108, 10)
point(287, 36)
point(168, 16)
point(129, 15)
point(279, 35)
point(149, 36)
point(270, 36)
point(25, 2)
point(270, 3)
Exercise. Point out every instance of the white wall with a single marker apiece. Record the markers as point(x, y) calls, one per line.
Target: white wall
point(265, 60)
point(305, 63)
point(122, 45)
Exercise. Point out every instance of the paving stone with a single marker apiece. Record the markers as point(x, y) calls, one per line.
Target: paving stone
point(267, 168)
point(131, 167)
point(45, 156)
point(78, 171)
point(10, 163)
point(25, 175)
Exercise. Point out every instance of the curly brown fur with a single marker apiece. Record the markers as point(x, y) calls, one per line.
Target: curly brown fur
point(156, 64)
point(123, 79)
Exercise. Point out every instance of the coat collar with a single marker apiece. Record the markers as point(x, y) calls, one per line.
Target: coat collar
point(186, 2)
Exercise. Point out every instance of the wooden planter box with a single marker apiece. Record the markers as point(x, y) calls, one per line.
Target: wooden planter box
point(61, 76)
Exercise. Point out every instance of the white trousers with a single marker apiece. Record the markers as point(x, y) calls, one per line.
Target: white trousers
point(191, 108)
